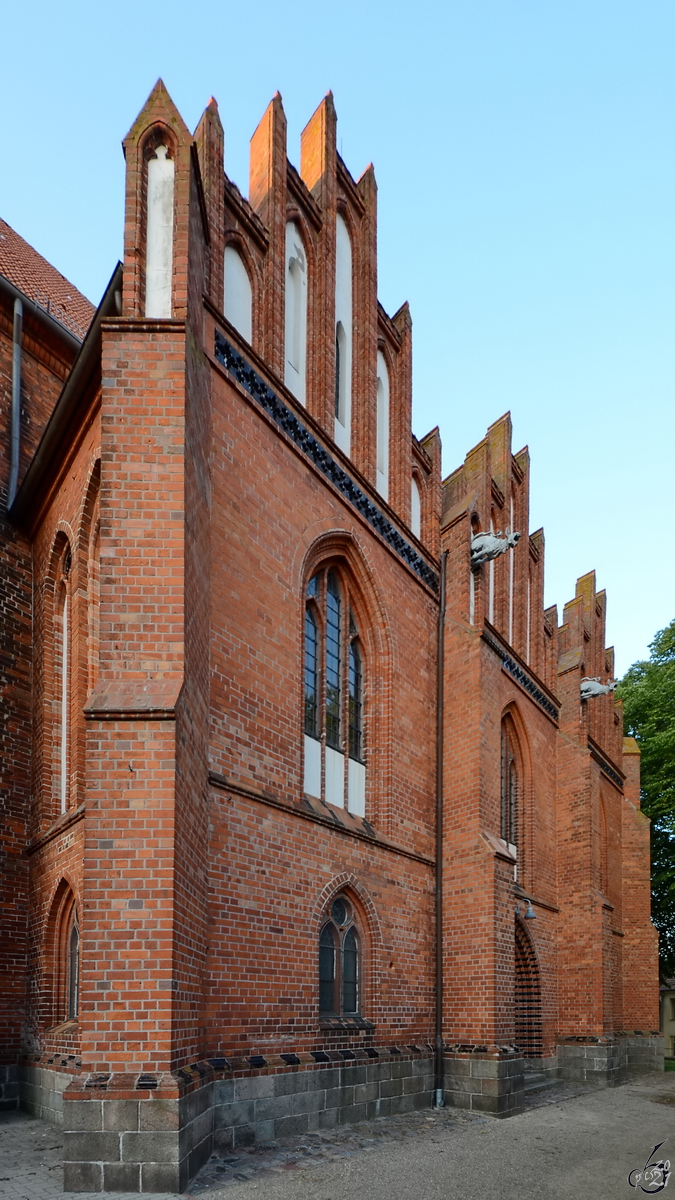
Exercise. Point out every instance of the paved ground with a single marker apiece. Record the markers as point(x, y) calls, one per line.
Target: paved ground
point(571, 1143)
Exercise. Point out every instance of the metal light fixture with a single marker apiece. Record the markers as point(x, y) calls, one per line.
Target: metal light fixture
point(529, 915)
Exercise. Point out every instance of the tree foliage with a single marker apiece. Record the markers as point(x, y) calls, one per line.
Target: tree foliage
point(648, 694)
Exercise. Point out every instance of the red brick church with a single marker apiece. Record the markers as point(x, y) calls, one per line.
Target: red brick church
point(311, 811)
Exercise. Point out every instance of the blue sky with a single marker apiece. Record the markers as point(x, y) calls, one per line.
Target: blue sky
point(525, 165)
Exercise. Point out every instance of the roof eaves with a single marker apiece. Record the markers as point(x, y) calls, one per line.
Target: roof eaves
point(50, 322)
point(67, 402)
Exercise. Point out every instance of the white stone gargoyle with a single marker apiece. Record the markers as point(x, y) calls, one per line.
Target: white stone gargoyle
point(593, 687)
point(486, 546)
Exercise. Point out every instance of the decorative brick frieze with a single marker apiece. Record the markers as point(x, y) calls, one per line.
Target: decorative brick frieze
point(226, 353)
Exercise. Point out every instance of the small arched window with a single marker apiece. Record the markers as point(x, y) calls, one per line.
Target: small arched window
point(339, 962)
point(334, 695)
point(382, 480)
point(296, 313)
point(343, 335)
point(509, 785)
point(415, 508)
point(238, 298)
point(159, 235)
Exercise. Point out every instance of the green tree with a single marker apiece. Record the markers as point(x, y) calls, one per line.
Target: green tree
point(648, 693)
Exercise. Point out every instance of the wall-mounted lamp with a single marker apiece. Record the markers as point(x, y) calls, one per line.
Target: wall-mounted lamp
point(529, 915)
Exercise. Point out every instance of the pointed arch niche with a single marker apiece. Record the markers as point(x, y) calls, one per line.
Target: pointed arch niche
point(527, 995)
point(59, 677)
point(296, 313)
point(160, 179)
point(238, 293)
point(343, 335)
point(60, 991)
point(382, 479)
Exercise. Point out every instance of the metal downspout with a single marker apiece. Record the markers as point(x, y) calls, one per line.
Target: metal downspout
point(438, 1056)
point(16, 402)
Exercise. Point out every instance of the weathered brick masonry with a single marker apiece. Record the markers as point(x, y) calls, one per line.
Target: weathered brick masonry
point(223, 700)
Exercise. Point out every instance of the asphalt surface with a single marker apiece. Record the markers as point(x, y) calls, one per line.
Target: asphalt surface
point(571, 1143)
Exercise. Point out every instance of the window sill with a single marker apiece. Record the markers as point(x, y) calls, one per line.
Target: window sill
point(353, 1023)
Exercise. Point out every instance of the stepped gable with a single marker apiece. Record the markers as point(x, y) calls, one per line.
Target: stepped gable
point(42, 283)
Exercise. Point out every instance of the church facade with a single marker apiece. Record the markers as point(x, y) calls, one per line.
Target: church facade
point(312, 812)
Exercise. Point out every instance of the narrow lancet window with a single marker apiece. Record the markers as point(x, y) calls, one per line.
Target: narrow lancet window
point(311, 690)
point(64, 705)
point(355, 701)
point(350, 973)
point(74, 972)
point(382, 481)
point(509, 786)
point(296, 313)
point(333, 639)
point(159, 238)
point(343, 336)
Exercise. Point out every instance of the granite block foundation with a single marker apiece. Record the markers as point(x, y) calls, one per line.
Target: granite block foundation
point(120, 1136)
point(9, 1087)
point(41, 1091)
point(645, 1052)
point(485, 1082)
point(607, 1061)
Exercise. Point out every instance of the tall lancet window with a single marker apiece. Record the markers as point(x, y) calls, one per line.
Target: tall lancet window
point(62, 680)
point(296, 313)
point(238, 300)
point(382, 481)
point(74, 970)
point(93, 606)
point(343, 336)
point(159, 238)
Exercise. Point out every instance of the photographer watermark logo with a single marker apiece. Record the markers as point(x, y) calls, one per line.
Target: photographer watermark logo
point(654, 1176)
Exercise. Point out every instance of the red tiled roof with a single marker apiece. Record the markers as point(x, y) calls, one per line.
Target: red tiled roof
point(42, 283)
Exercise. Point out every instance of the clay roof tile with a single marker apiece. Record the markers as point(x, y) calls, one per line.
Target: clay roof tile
point(42, 283)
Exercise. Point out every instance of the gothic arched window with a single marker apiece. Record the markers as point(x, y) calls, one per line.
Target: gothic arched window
point(334, 695)
point(339, 962)
point(510, 770)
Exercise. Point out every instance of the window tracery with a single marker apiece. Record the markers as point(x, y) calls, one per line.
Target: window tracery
point(333, 694)
point(339, 961)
